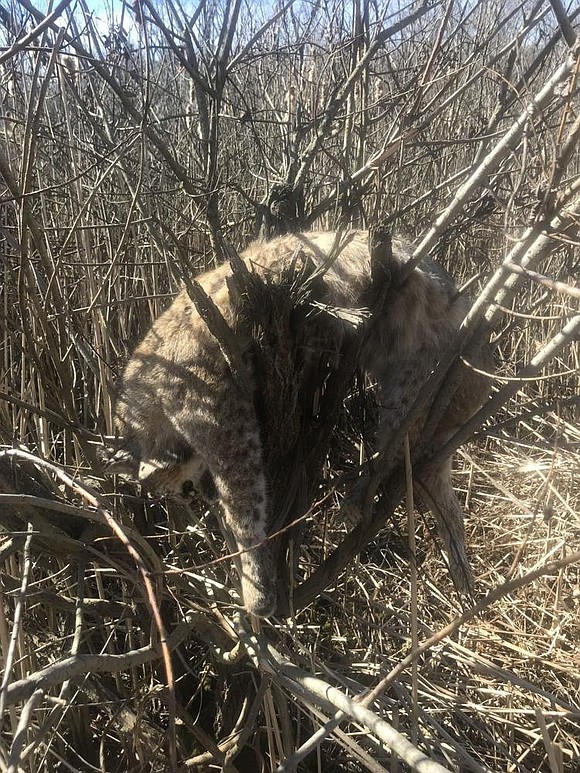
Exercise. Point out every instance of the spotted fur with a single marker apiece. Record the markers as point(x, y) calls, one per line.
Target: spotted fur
point(183, 417)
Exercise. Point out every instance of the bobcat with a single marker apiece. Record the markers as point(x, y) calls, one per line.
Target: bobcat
point(185, 422)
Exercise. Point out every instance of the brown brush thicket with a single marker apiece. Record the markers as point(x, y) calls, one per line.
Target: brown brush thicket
point(134, 153)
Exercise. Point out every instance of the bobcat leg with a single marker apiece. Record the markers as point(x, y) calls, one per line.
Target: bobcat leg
point(398, 393)
point(398, 386)
point(437, 491)
point(246, 518)
point(233, 453)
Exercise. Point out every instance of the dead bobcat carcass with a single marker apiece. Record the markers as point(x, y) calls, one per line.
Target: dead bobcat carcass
point(183, 417)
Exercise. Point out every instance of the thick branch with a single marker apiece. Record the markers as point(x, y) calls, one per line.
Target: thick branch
point(81, 665)
point(301, 683)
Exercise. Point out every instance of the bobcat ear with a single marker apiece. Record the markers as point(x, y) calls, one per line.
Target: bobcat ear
point(383, 264)
point(385, 268)
point(207, 488)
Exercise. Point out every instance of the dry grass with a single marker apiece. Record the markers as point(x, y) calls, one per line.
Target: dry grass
point(500, 693)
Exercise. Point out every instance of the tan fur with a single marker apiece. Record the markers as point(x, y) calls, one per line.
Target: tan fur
point(181, 413)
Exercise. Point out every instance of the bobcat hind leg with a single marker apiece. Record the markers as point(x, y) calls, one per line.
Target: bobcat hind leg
point(436, 490)
point(233, 455)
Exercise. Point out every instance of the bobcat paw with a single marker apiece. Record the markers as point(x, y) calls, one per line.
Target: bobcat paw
point(460, 571)
point(258, 581)
point(260, 602)
point(117, 461)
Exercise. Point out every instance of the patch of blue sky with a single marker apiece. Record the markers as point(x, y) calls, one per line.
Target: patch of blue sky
point(301, 17)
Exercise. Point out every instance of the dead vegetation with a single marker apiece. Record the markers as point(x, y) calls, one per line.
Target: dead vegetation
point(130, 157)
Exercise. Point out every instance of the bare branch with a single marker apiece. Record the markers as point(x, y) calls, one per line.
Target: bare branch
point(568, 32)
point(80, 665)
point(303, 684)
